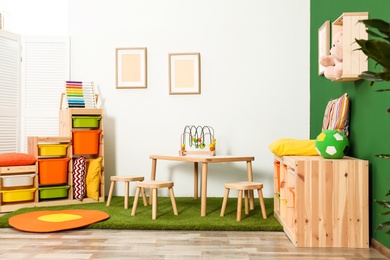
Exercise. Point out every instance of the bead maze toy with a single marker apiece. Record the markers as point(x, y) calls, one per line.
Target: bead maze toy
point(196, 137)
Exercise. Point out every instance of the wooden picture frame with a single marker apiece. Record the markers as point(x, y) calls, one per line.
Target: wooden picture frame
point(323, 44)
point(131, 68)
point(184, 73)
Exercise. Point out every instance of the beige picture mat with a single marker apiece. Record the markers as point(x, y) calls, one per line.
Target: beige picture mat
point(131, 68)
point(184, 73)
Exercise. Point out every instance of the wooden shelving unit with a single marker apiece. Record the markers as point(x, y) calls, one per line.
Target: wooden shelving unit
point(48, 150)
point(20, 196)
point(322, 202)
point(75, 127)
point(17, 196)
point(66, 129)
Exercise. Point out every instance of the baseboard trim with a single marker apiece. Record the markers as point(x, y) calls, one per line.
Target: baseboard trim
point(380, 248)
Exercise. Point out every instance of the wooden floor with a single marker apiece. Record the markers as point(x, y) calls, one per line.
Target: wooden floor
point(128, 244)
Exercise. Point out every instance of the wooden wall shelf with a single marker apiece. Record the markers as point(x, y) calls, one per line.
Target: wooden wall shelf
point(354, 61)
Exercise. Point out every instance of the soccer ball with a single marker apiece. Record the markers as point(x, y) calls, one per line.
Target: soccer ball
point(332, 144)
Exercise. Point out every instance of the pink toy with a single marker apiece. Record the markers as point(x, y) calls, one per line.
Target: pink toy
point(333, 63)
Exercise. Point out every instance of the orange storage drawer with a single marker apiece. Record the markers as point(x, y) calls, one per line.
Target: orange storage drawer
point(86, 141)
point(53, 171)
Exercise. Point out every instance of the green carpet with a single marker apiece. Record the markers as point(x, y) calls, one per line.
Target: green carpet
point(188, 219)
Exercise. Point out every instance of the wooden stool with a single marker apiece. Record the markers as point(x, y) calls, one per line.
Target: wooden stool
point(153, 186)
point(127, 180)
point(246, 187)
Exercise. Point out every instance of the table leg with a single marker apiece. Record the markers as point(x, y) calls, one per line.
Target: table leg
point(250, 178)
point(196, 178)
point(204, 189)
point(127, 194)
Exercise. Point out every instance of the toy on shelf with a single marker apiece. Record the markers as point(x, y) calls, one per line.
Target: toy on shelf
point(80, 94)
point(333, 63)
point(197, 137)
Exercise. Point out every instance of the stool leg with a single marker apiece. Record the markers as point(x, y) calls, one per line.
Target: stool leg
point(251, 200)
point(126, 206)
point(154, 203)
point(246, 202)
point(135, 203)
point(173, 201)
point(262, 205)
point(144, 197)
point(156, 200)
point(239, 205)
point(110, 193)
point(224, 202)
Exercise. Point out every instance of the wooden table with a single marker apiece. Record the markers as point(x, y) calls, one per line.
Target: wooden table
point(204, 160)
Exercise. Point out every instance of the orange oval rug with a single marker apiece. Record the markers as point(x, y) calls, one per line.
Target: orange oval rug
point(56, 220)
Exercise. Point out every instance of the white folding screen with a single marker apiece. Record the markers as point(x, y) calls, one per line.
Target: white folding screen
point(9, 92)
point(45, 68)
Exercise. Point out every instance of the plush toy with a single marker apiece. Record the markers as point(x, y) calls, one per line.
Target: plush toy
point(333, 63)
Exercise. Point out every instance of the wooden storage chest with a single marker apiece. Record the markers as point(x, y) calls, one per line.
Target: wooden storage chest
point(322, 202)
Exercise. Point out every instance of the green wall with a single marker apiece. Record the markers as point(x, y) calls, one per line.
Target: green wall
point(369, 121)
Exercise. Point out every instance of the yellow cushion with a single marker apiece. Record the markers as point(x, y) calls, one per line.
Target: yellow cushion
point(288, 146)
point(93, 177)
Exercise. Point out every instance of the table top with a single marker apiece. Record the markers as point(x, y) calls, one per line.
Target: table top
point(203, 158)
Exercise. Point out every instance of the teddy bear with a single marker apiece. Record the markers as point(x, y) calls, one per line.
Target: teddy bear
point(333, 63)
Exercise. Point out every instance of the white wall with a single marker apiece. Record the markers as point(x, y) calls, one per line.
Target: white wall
point(254, 76)
point(36, 17)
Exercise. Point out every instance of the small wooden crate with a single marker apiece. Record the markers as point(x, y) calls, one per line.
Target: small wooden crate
point(354, 61)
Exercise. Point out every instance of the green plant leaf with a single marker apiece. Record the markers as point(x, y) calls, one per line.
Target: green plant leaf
point(371, 76)
point(378, 24)
point(375, 77)
point(377, 50)
point(383, 203)
point(385, 156)
point(383, 225)
point(372, 33)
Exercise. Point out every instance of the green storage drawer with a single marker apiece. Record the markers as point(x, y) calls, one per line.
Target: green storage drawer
point(86, 121)
point(55, 192)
